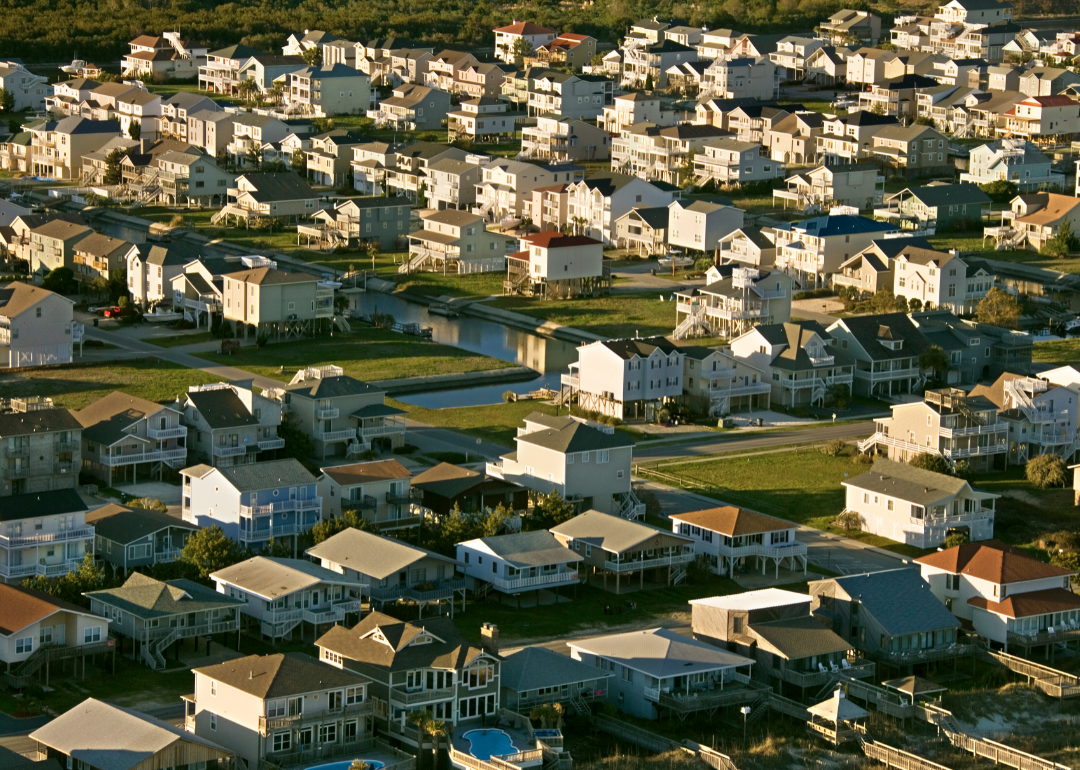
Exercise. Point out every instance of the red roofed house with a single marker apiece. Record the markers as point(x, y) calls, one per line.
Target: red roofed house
point(507, 37)
point(1008, 596)
point(568, 49)
point(553, 265)
point(36, 628)
point(1043, 119)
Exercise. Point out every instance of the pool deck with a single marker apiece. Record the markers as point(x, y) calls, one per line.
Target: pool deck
point(520, 738)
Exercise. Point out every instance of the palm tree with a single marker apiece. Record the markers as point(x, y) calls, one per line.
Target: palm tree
point(548, 714)
point(936, 360)
point(579, 224)
point(428, 727)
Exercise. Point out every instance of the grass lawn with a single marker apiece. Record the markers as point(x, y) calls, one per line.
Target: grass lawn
point(180, 339)
point(802, 486)
point(1025, 513)
point(972, 243)
point(586, 612)
point(621, 315)
point(474, 285)
point(367, 354)
point(1061, 352)
point(497, 423)
point(77, 386)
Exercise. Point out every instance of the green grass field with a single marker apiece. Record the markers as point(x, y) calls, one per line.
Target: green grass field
point(619, 315)
point(366, 353)
point(77, 386)
point(179, 340)
point(497, 423)
point(801, 486)
point(1061, 352)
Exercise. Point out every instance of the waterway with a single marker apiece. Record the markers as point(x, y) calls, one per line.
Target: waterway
point(548, 357)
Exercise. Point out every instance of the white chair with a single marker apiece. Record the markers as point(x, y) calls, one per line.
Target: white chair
point(822, 668)
point(835, 668)
point(845, 664)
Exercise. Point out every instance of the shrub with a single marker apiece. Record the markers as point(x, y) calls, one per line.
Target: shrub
point(1046, 471)
point(929, 462)
point(849, 521)
point(956, 537)
point(651, 501)
point(834, 447)
point(262, 340)
point(508, 397)
point(962, 470)
point(862, 459)
point(814, 294)
point(177, 220)
point(404, 449)
point(698, 571)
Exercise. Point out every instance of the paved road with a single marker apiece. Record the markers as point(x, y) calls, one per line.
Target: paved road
point(742, 442)
point(10, 725)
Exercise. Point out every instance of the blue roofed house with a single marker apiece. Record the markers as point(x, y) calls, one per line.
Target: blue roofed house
point(658, 671)
point(890, 615)
point(252, 503)
point(812, 250)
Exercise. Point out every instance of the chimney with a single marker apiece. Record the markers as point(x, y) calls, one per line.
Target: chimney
point(144, 145)
point(489, 638)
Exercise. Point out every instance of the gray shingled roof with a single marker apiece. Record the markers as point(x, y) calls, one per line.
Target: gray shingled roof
point(532, 668)
point(221, 408)
point(126, 525)
point(369, 554)
point(899, 600)
point(267, 475)
point(35, 504)
point(40, 421)
point(280, 675)
point(528, 549)
point(272, 578)
point(612, 533)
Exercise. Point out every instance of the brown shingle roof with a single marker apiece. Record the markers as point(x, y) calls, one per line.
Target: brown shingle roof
point(280, 675)
point(448, 649)
point(358, 473)
point(731, 521)
point(993, 561)
point(19, 607)
point(1033, 603)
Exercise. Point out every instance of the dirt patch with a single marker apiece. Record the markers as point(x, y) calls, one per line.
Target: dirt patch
point(1022, 496)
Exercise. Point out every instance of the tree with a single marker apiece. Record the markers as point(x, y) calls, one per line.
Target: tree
point(1046, 471)
point(312, 56)
point(349, 519)
point(298, 161)
point(648, 82)
point(953, 539)
point(551, 510)
point(113, 174)
point(276, 94)
point(254, 156)
point(931, 462)
point(848, 521)
point(549, 715)
point(135, 130)
point(7, 101)
point(88, 576)
point(1061, 244)
point(522, 48)
point(149, 504)
point(372, 247)
point(278, 549)
point(321, 125)
point(936, 360)
point(427, 727)
point(248, 90)
point(1000, 190)
point(998, 309)
point(99, 286)
point(60, 280)
point(421, 196)
point(493, 522)
point(209, 549)
point(297, 443)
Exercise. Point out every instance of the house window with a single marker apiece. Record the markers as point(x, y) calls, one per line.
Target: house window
point(213, 687)
point(24, 645)
point(628, 675)
point(92, 634)
point(213, 721)
point(282, 741)
point(328, 733)
point(354, 695)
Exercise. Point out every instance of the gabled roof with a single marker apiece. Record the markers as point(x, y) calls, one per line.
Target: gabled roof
point(361, 473)
point(21, 607)
point(640, 347)
point(280, 675)
point(869, 330)
point(384, 642)
point(525, 28)
point(611, 533)
point(18, 297)
point(277, 186)
point(731, 521)
point(221, 408)
point(525, 549)
point(35, 504)
point(105, 420)
point(126, 525)
point(994, 562)
point(795, 638)
point(660, 653)
point(110, 737)
point(936, 195)
point(898, 599)
point(574, 436)
point(272, 578)
point(373, 555)
point(164, 255)
point(533, 668)
point(147, 598)
point(843, 224)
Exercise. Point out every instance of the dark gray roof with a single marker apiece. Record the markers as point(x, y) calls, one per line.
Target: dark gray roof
point(36, 504)
point(655, 217)
point(126, 525)
point(147, 598)
point(796, 638)
point(40, 421)
point(221, 408)
point(267, 475)
point(165, 254)
point(285, 186)
point(280, 675)
point(869, 329)
point(532, 668)
point(640, 346)
point(331, 387)
point(574, 437)
point(899, 600)
point(949, 194)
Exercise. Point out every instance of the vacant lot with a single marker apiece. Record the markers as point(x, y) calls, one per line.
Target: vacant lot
point(800, 485)
point(1061, 352)
point(621, 315)
point(497, 423)
point(75, 387)
point(367, 354)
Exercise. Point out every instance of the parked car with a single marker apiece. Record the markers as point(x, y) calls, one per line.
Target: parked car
point(112, 312)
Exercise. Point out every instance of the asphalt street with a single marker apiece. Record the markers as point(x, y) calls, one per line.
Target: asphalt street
point(740, 442)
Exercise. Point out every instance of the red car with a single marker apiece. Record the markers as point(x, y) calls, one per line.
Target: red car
point(112, 312)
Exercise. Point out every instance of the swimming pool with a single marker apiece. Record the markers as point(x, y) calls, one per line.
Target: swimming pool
point(371, 763)
point(484, 744)
point(547, 733)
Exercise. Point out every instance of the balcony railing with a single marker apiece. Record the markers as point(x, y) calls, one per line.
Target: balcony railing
point(344, 434)
point(17, 473)
point(778, 551)
point(154, 456)
point(282, 506)
point(365, 503)
point(641, 564)
point(327, 412)
point(229, 451)
point(441, 590)
point(267, 444)
point(20, 450)
point(409, 698)
point(974, 430)
point(48, 570)
point(266, 724)
point(62, 466)
point(66, 446)
point(17, 541)
point(386, 429)
point(525, 583)
point(163, 433)
point(905, 657)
